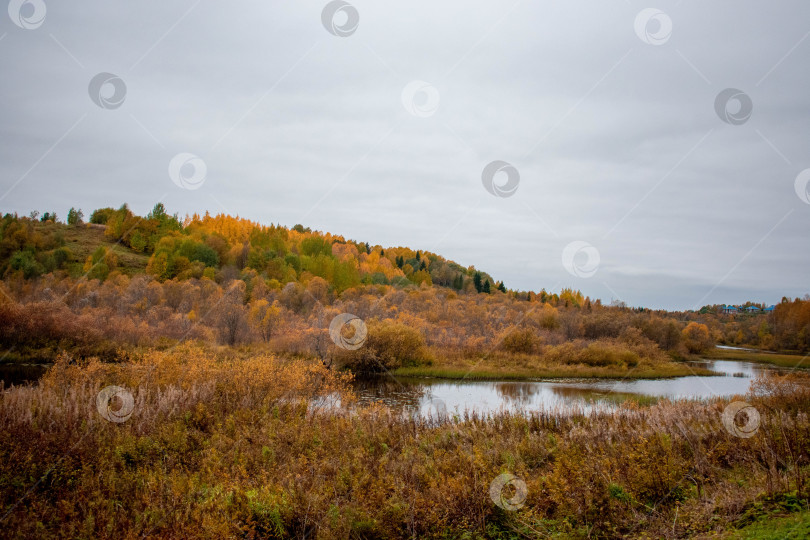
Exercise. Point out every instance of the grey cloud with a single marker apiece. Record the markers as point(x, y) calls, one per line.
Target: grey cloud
point(284, 113)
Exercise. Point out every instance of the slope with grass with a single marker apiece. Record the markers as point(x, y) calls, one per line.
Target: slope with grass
point(84, 240)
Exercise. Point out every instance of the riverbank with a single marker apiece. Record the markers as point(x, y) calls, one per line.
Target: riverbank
point(492, 373)
point(600, 364)
point(762, 357)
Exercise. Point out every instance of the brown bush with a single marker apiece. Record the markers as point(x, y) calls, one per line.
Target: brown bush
point(696, 338)
point(47, 327)
point(598, 354)
point(389, 346)
point(521, 341)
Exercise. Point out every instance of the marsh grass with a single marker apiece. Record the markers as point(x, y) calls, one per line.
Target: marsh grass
point(227, 446)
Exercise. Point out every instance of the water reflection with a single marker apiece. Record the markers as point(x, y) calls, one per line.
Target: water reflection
point(399, 392)
point(518, 393)
point(573, 394)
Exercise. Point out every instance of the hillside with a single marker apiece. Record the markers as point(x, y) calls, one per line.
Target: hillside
point(144, 280)
point(218, 247)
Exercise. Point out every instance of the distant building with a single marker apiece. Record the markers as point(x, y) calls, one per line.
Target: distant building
point(769, 309)
point(729, 309)
point(753, 309)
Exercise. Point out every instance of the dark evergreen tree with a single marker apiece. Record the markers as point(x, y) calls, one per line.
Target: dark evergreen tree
point(477, 281)
point(486, 287)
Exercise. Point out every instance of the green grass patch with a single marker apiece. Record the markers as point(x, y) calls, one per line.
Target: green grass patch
point(796, 526)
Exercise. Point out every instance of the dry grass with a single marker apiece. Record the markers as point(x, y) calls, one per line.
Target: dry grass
point(223, 446)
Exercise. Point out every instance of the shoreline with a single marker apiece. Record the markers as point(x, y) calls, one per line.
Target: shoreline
point(451, 373)
point(779, 359)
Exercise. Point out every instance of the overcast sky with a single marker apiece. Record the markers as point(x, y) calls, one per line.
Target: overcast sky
point(606, 112)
